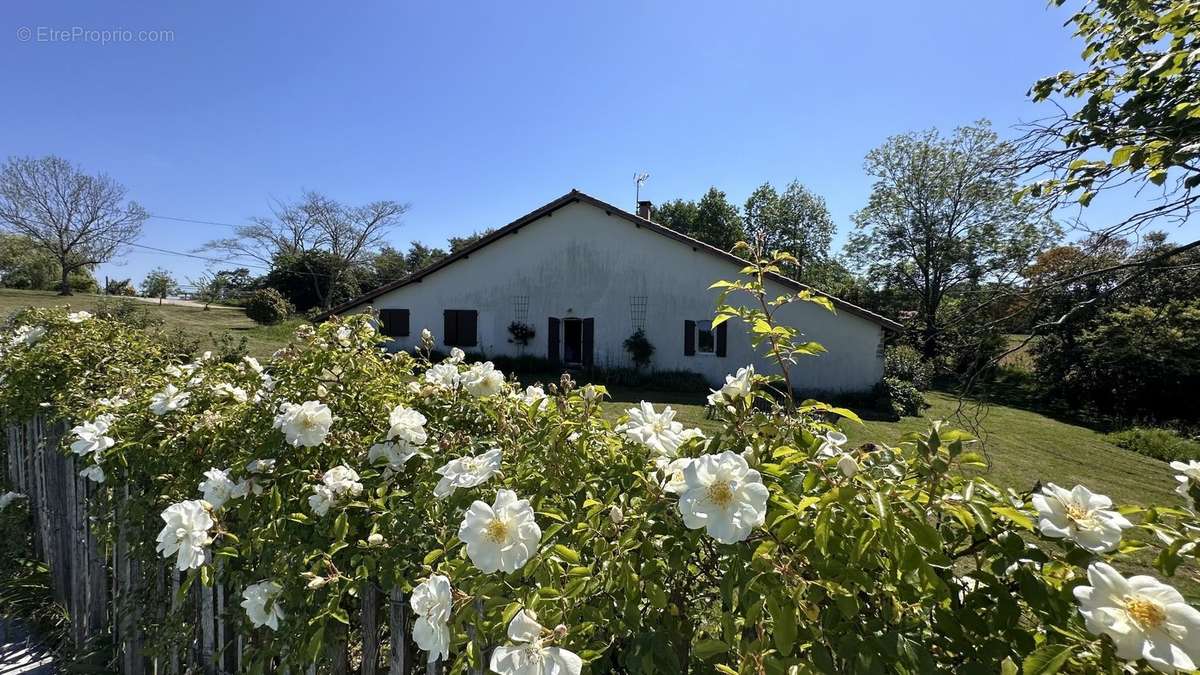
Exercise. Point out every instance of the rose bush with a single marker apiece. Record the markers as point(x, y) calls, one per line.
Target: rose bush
point(532, 533)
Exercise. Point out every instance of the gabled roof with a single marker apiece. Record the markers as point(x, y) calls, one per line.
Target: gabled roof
point(575, 196)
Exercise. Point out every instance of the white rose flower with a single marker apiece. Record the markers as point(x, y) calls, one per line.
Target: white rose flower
point(261, 466)
point(94, 473)
point(432, 600)
point(321, 500)
point(1189, 475)
point(466, 472)
point(396, 454)
point(426, 335)
point(716, 399)
point(502, 536)
point(456, 355)
point(847, 465)
point(343, 480)
point(535, 396)
point(343, 335)
point(79, 317)
point(27, 335)
point(8, 498)
point(185, 533)
point(262, 605)
point(739, 385)
point(443, 375)
point(219, 488)
point(674, 480)
point(90, 436)
point(306, 424)
point(591, 392)
point(657, 431)
point(483, 380)
point(1079, 515)
point(336, 483)
point(170, 398)
point(408, 425)
point(226, 390)
point(253, 363)
point(114, 402)
point(723, 495)
point(831, 443)
point(526, 654)
point(1145, 618)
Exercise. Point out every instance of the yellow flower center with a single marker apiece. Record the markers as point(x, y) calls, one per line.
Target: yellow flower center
point(720, 494)
point(307, 422)
point(496, 530)
point(1145, 613)
point(1079, 514)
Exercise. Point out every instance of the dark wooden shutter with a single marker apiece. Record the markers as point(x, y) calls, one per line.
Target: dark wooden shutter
point(394, 322)
point(722, 338)
point(468, 324)
point(552, 341)
point(450, 327)
point(589, 341)
point(689, 338)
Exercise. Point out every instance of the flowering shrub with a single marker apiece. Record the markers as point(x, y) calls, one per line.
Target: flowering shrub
point(534, 534)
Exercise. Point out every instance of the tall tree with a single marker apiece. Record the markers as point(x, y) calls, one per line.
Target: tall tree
point(713, 220)
point(941, 220)
point(159, 284)
point(797, 222)
point(345, 237)
point(80, 220)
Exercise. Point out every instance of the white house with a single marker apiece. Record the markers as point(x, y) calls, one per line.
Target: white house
point(584, 275)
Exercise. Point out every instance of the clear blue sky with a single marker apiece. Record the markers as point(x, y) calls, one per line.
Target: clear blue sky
point(477, 112)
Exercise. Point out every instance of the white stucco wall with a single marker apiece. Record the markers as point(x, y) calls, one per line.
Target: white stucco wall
point(581, 262)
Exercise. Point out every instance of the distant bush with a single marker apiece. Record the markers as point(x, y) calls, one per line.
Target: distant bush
point(1134, 363)
point(1163, 444)
point(905, 363)
point(901, 397)
point(268, 307)
point(132, 313)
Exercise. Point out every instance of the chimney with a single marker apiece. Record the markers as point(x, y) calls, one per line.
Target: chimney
point(644, 209)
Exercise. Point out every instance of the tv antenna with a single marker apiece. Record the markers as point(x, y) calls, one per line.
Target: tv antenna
point(638, 179)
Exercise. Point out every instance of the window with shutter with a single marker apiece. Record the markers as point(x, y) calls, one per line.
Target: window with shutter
point(689, 338)
point(461, 327)
point(393, 322)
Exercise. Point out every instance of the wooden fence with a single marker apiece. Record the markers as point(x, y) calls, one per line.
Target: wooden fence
point(107, 591)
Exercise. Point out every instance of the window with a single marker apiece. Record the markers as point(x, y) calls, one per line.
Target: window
point(699, 337)
point(459, 328)
point(706, 342)
point(393, 322)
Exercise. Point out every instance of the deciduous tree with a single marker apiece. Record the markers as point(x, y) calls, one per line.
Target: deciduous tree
point(941, 222)
point(796, 221)
point(80, 220)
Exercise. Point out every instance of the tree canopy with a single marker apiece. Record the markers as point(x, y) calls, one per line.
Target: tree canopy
point(941, 220)
point(79, 220)
point(797, 222)
point(713, 220)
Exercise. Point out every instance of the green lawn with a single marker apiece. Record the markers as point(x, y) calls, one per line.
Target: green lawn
point(193, 321)
point(1022, 447)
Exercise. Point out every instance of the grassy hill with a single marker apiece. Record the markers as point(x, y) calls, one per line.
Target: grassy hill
point(1022, 446)
point(193, 321)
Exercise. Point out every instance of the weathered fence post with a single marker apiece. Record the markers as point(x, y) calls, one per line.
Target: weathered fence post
point(370, 628)
point(400, 661)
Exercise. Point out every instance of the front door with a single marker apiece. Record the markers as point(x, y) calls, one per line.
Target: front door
point(573, 341)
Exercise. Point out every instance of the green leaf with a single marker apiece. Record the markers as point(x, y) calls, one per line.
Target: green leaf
point(706, 649)
point(1046, 660)
point(1015, 516)
point(783, 617)
point(433, 556)
point(570, 555)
